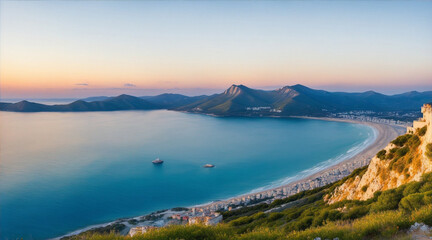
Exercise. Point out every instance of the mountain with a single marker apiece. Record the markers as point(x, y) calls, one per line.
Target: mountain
point(24, 106)
point(233, 100)
point(122, 102)
point(166, 100)
point(299, 100)
point(171, 100)
point(239, 100)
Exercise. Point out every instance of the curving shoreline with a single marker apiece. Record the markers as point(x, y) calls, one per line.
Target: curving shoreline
point(384, 134)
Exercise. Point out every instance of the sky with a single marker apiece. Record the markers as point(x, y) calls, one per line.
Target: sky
point(52, 49)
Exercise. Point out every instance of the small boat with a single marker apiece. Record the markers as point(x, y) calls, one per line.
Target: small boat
point(157, 161)
point(209, 166)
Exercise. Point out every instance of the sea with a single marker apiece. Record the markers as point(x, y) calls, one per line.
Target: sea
point(60, 172)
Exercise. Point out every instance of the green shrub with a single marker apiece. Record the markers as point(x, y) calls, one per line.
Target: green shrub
point(241, 221)
point(381, 154)
point(416, 201)
point(422, 131)
point(414, 142)
point(427, 177)
point(259, 234)
point(429, 150)
point(111, 229)
point(388, 200)
point(401, 140)
point(259, 215)
point(356, 212)
point(427, 186)
point(390, 155)
point(334, 215)
point(191, 232)
point(411, 188)
point(304, 223)
point(245, 211)
point(411, 202)
point(364, 188)
point(423, 215)
point(402, 152)
point(376, 226)
point(275, 216)
point(321, 218)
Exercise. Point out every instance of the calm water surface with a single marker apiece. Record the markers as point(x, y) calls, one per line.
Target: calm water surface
point(64, 171)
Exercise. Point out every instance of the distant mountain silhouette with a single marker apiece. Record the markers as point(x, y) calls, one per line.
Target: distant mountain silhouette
point(24, 106)
point(171, 100)
point(239, 100)
point(122, 102)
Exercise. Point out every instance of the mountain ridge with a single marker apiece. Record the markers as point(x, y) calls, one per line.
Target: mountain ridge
point(240, 100)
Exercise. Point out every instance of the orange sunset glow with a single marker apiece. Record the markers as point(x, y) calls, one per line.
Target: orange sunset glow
point(42, 56)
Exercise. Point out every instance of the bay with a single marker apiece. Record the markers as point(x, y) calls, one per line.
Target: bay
point(63, 171)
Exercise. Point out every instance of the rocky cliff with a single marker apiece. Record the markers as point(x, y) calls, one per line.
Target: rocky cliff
point(405, 159)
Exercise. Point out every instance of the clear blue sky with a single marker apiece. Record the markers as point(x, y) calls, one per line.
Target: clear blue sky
point(82, 48)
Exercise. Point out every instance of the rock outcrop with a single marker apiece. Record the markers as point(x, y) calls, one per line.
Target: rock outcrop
point(404, 160)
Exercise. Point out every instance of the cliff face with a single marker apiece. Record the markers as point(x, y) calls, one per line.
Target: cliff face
point(403, 160)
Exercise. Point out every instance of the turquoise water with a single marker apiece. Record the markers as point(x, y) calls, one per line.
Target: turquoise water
point(63, 171)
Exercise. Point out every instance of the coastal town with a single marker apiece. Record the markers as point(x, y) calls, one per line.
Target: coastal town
point(391, 118)
point(403, 119)
point(185, 216)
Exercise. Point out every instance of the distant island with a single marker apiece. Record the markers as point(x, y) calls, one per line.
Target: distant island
point(239, 100)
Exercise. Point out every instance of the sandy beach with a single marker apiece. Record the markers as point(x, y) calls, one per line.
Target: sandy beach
point(384, 134)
